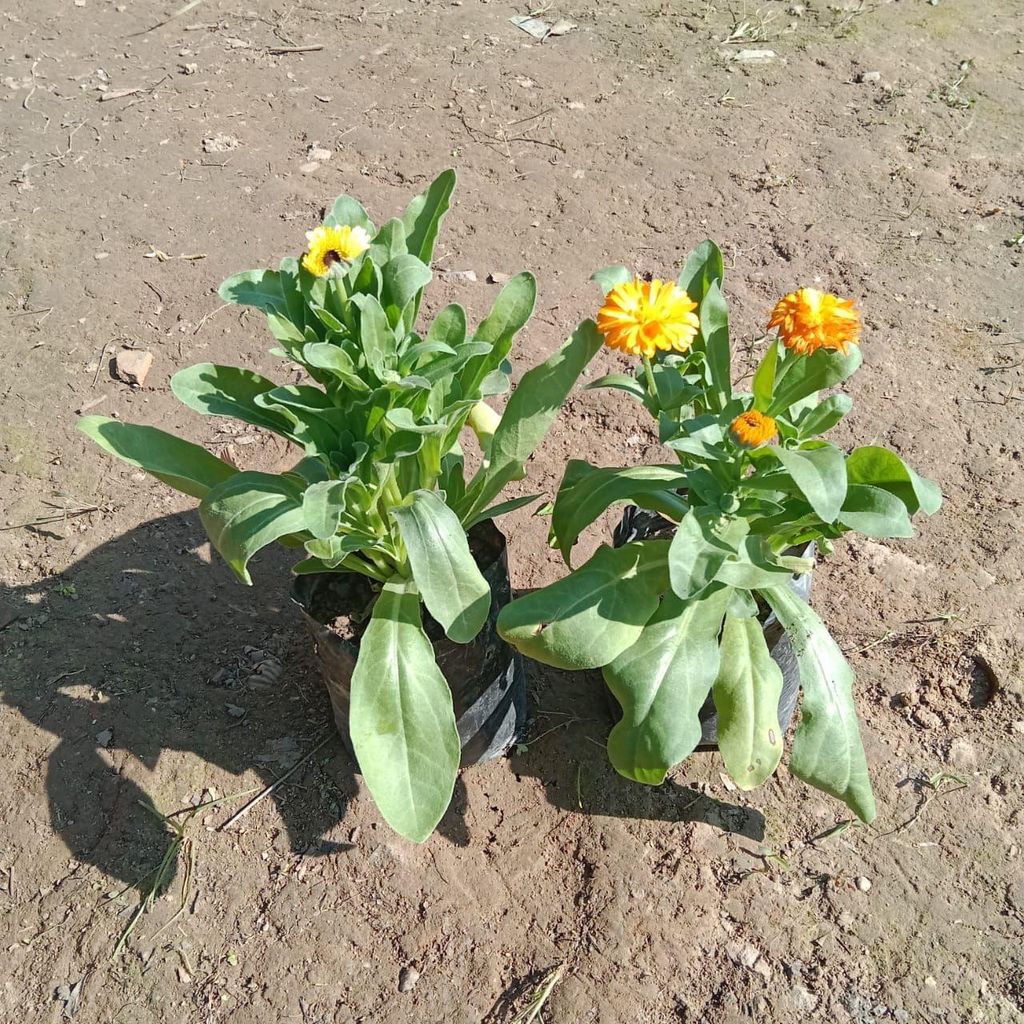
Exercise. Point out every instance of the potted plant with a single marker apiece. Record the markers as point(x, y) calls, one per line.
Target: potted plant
point(679, 611)
point(381, 504)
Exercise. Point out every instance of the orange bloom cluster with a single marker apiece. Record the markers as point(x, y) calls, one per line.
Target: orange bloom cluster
point(645, 317)
point(808, 320)
point(753, 428)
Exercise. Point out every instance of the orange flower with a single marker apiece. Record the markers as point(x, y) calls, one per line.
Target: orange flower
point(644, 317)
point(753, 428)
point(808, 320)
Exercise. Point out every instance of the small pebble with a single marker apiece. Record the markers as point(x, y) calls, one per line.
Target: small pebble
point(869, 76)
point(309, 168)
point(863, 884)
point(407, 978)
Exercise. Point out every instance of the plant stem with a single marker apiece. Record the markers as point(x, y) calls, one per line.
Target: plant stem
point(652, 388)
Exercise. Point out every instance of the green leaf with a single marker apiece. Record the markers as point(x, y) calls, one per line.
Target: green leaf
point(746, 695)
point(764, 378)
point(423, 216)
point(247, 512)
point(619, 382)
point(322, 355)
point(704, 267)
point(404, 420)
point(347, 210)
point(228, 391)
point(530, 412)
point(401, 718)
point(608, 277)
point(380, 349)
point(588, 618)
point(259, 288)
point(753, 567)
point(334, 550)
point(323, 505)
point(388, 244)
point(799, 376)
point(402, 280)
point(502, 509)
point(823, 416)
point(661, 682)
point(883, 468)
point(449, 327)
point(453, 589)
point(182, 465)
point(875, 513)
point(827, 750)
point(699, 550)
point(714, 327)
point(587, 491)
point(820, 475)
point(510, 312)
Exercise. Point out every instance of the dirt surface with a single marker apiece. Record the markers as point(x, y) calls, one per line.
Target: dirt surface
point(879, 152)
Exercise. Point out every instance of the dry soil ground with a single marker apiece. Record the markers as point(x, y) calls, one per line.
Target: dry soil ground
point(879, 152)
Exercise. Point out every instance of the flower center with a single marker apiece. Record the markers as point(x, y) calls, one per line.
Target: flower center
point(331, 257)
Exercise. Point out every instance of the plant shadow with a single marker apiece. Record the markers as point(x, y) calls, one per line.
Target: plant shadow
point(565, 749)
point(148, 646)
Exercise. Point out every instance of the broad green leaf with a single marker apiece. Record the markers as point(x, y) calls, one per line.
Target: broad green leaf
point(827, 750)
point(883, 468)
point(746, 695)
point(608, 277)
point(322, 355)
point(247, 512)
point(875, 513)
point(753, 566)
point(714, 328)
point(401, 717)
point(453, 589)
point(334, 550)
point(347, 210)
point(403, 419)
point(388, 243)
point(510, 312)
point(588, 618)
point(530, 412)
point(702, 436)
point(674, 388)
point(824, 416)
point(588, 491)
point(182, 465)
point(228, 391)
point(323, 505)
point(764, 377)
point(820, 474)
point(661, 682)
point(423, 216)
point(259, 288)
point(799, 376)
point(449, 327)
point(704, 267)
point(380, 349)
point(402, 279)
point(699, 550)
point(619, 382)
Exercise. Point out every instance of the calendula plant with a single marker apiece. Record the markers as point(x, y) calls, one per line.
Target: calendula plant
point(382, 488)
point(751, 483)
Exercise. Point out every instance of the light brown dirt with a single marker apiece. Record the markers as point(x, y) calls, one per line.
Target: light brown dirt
point(630, 139)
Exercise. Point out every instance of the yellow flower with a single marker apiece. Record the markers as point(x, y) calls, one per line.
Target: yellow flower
point(753, 428)
point(328, 246)
point(808, 320)
point(643, 317)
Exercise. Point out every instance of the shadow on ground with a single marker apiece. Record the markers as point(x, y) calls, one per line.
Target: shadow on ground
point(565, 749)
point(159, 649)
